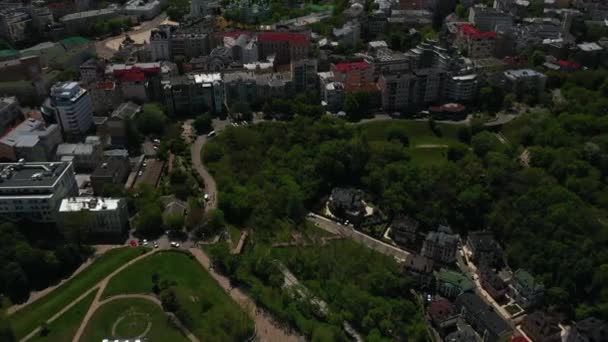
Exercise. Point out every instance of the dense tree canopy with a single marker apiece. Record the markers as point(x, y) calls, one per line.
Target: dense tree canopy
point(550, 216)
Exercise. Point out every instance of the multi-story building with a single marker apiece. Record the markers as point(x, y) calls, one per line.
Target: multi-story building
point(75, 22)
point(404, 230)
point(304, 74)
point(143, 10)
point(353, 75)
point(71, 107)
point(490, 281)
point(31, 140)
point(115, 128)
point(84, 156)
point(462, 88)
point(451, 284)
point(10, 113)
point(111, 172)
point(100, 215)
point(14, 24)
point(490, 19)
point(349, 34)
point(33, 191)
point(248, 86)
point(396, 90)
point(482, 317)
point(160, 44)
point(485, 250)
point(132, 74)
point(285, 46)
point(91, 70)
point(105, 95)
point(190, 44)
point(525, 83)
point(525, 289)
point(193, 93)
point(202, 8)
point(243, 47)
point(441, 245)
point(541, 327)
point(476, 44)
point(385, 60)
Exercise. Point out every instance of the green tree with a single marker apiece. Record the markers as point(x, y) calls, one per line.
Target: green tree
point(77, 227)
point(149, 220)
point(483, 143)
point(461, 11)
point(202, 123)
point(242, 110)
point(174, 222)
point(152, 120)
point(538, 58)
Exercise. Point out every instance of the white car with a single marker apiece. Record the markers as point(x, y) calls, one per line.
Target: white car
point(145, 242)
point(174, 244)
point(140, 173)
point(206, 197)
point(155, 244)
point(144, 164)
point(156, 141)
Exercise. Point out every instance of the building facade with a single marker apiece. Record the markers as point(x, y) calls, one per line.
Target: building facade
point(100, 215)
point(31, 140)
point(33, 191)
point(10, 113)
point(71, 107)
point(441, 245)
point(193, 93)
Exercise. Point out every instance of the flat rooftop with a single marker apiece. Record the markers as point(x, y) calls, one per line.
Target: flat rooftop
point(76, 204)
point(28, 175)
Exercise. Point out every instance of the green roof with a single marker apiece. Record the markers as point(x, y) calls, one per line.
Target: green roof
point(525, 279)
point(8, 53)
point(455, 279)
point(74, 41)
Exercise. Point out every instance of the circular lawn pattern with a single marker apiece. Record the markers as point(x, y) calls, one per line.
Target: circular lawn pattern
point(131, 318)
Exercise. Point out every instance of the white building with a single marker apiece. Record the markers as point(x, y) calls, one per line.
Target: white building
point(33, 191)
point(107, 215)
point(142, 9)
point(70, 106)
point(31, 140)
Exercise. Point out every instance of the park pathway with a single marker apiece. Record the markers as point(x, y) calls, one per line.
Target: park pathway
point(266, 328)
point(36, 295)
point(99, 286)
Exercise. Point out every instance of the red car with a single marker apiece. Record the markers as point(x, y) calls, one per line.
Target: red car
point(133, 243)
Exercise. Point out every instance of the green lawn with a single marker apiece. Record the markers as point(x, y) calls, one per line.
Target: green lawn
point(418, 132)
point(513, 130)
point(64, 327)
point(428, 156)
point(132, 318)
point(235, 235)
point(214, 316)
point(35, 314)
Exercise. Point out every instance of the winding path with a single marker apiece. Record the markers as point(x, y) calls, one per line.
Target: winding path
point(266, 328)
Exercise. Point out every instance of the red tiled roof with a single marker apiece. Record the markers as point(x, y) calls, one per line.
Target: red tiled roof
point(291, 37)
point(470, 31)
point(519, 339)
point(105, 85)
point(235, 34)
point(346, 67)
point(132, 76)
point(568, 64)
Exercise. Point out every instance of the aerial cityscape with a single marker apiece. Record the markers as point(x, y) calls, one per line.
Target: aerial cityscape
point(291, 170)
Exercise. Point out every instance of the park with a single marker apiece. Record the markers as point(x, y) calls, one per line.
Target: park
point(135, 293)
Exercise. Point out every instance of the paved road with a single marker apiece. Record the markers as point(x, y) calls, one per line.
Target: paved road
point(266, 328)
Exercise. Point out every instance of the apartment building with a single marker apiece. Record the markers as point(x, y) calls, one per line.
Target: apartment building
point(10, 112)
point(101, 215)
point(31, 140)
point(71, 107)
point(475, 43)
point(193, 93)
point(33, 191)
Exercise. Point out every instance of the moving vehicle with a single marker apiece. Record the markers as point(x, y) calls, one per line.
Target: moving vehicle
point(211, 134)
point(174, 244)
point(206, 197)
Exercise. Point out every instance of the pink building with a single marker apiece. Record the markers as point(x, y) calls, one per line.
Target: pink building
point(354, 75)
